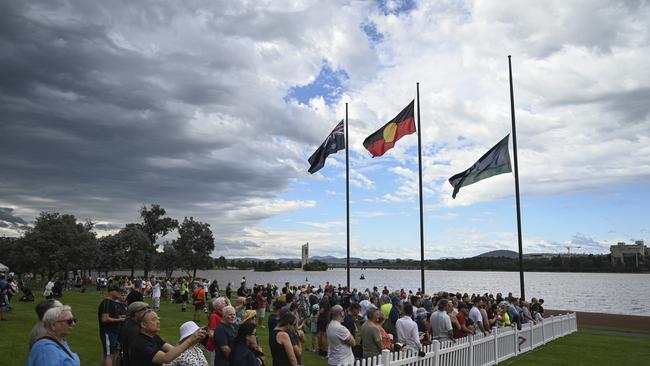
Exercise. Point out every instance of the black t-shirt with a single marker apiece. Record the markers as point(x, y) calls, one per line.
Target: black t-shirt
point(143, 348)
point(129, 331)
point(113, 308)
point(224, 335)
point(134, 296)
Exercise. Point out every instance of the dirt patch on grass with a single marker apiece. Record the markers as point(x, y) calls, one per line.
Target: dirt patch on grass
point(632, 322)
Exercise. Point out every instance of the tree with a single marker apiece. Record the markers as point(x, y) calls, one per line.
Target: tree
point(60, 242)
point(111, 253)
point(194, 245)
point(137, 246)
point(221, 262)
point(154, 226)
point(167, 261)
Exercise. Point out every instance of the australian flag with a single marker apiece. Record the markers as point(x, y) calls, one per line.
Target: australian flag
point(334, 142)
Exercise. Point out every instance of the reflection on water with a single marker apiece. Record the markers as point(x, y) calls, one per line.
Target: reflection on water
point(615, 293)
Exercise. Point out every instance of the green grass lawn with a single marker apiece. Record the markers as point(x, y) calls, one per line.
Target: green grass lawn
point(576, 349)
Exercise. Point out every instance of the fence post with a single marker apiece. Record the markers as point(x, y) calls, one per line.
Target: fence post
point(435, 347)
point(470, 353)
point(516, 340)
point(495, 332)
point(385, 358)
point(543, 335)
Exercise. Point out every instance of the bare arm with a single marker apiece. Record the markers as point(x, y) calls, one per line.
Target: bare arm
point(285, 341)
point(169, 353)
point(350, 341)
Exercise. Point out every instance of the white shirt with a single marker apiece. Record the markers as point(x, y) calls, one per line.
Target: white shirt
point(407, 333)
point(338, 352)
point(155, 290)
point(364, 307)
point(440, 325)
point(475, 315)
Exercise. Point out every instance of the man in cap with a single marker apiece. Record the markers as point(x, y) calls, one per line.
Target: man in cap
point(110, 322)
point(131, 328)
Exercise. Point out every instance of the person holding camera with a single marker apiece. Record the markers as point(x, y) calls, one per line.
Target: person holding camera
point(148, 349)
point(193, 356)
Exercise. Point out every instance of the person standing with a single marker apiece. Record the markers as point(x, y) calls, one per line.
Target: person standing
point(339, 338)
point(130, 329)
point(38, 330)
point(53, 348)
point(110, 322)
point(198, 297)
point(155, 294)
point(370, 334)
point(441, 323)
point(148, 349)
point(136, 293)
point(407, 330)
point(223, 338)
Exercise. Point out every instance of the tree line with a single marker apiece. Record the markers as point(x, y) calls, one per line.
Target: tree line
point(58, 244)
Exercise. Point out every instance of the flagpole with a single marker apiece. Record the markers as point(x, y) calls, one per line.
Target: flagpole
point(514, 150)
point(417, 85)
point(347, 194)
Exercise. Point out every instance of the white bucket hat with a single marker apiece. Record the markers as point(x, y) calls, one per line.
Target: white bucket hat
point(187, 329)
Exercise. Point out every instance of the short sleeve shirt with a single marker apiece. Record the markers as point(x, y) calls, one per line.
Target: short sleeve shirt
point(113, 309)
point(339, 352)
point(143, 348)
point(223, 336)
point(370, 336)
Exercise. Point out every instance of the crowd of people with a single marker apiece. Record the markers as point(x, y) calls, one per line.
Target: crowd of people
point(331, 321)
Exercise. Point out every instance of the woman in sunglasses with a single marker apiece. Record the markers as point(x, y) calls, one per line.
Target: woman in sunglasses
point(53, 349)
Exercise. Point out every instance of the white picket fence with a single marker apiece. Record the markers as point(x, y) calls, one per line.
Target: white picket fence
point(480, 350)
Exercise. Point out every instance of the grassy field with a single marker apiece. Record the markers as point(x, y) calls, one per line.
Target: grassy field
point(576, 349)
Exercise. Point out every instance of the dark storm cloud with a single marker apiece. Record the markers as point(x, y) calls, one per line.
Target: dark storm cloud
point(7, 215)
point(99, 123)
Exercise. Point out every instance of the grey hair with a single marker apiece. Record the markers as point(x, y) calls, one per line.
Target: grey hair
point(53, 315)
point(219, 301)
point(223, 311)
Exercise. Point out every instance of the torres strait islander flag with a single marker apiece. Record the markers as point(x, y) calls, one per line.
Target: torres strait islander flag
point(384, 139)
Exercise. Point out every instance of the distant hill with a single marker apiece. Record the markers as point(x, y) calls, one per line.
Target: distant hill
point(499, 253)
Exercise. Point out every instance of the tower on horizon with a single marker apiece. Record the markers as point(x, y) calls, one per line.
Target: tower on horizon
point(305, 255)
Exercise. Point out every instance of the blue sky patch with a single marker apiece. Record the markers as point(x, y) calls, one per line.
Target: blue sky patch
point(396, 6)
point(370, 29)
point(328, 84)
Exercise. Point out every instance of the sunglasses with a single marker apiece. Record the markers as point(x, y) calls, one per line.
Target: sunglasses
point(70, 321)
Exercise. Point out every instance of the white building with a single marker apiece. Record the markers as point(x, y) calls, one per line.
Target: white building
point(305, 255)
point(635, 252)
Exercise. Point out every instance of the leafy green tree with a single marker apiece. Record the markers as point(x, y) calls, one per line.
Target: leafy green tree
point(221, 262)
point(155, 226)
point(111, 253)
point(194, 245)
point(60, 242)
point(137, 247)
point(167, 260)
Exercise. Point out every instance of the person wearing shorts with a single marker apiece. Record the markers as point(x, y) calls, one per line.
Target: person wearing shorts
point(110, 321)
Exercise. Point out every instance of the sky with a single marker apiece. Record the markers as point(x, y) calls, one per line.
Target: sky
point(211, 109)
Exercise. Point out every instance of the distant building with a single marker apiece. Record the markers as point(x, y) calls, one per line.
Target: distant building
point(305, 255)
point(622, 252)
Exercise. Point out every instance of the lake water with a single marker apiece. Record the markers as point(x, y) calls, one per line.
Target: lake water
point(615, 293)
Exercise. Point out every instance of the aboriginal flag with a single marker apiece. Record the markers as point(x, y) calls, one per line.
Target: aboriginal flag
point(385, 138)
point(334, 142)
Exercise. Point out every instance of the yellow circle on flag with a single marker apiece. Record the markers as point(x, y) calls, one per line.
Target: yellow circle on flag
point(389, 132)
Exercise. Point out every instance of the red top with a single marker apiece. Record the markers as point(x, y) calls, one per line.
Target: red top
point(213, 321)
